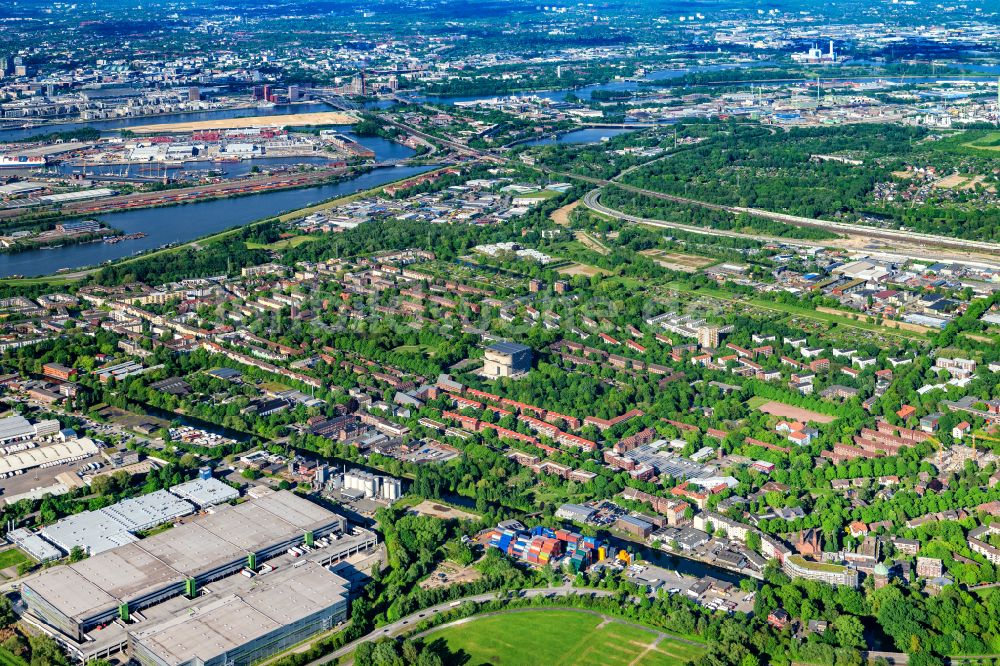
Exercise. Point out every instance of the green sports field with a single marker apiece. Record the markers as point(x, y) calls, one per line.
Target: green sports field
point(561, 638)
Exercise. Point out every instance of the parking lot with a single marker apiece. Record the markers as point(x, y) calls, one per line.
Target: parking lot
point(607, 513)
point(710, 592)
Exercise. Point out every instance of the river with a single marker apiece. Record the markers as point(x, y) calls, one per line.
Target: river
point(590, 135)
point(176, 224)
point(682, 565)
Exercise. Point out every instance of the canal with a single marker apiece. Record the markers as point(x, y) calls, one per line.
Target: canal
point(681, 565)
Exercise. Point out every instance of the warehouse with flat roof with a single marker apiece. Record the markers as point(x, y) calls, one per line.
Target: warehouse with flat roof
point(79, 597)
point(205, 492)
point(114, 526)
point(261, 617)
point(16, 428)
point(74, 449)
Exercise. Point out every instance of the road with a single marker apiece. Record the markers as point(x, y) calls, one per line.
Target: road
point(912, 237)
point(406, 623)
point(948, 251)
point(592, 200)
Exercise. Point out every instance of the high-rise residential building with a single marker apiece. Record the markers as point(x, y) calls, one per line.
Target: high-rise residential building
point(194, 94)
point(294, 93)
point(708, 336)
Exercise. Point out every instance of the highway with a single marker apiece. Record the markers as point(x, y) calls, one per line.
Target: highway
point(592, 201)
point(911, 237)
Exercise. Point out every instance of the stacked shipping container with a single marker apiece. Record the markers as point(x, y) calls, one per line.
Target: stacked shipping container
point(542, 546)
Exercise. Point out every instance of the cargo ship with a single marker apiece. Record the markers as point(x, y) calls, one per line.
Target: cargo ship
point(21, 162)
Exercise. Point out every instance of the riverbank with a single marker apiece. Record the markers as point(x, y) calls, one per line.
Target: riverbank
point(53, 242)
point(218, 211)
point(184, 196)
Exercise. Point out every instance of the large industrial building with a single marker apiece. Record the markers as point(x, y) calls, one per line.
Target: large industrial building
point(25, 445)
point(47, 456)
point(205, 492)
point(143, 588)
point(17, 429)
point(115, 525)
point(250, 623)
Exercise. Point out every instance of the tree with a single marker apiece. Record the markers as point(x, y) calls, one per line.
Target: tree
point(7, 614)
point(46, 652)
point(849, 631)
point(16, 645)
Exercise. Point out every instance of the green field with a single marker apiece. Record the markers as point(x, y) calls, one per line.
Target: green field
point(987, 141)
point(561, 638)
point(11, 558)
point(9, 659)
point(799, 311)
point(294, 241)
point(423, 350)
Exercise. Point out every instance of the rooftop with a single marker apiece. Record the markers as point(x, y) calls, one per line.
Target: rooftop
point(77, 448)
point(204, 543)
point(15, 426)
point(110, 527)
point(205, 492)
point(508, 348)
point(252, 609)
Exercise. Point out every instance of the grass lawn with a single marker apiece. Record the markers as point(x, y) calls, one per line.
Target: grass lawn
point(561, 638)
point(12, 557)
point(424, 350)
point(294, 241)
point(275, 387)
point(756, 401)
